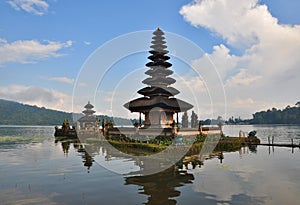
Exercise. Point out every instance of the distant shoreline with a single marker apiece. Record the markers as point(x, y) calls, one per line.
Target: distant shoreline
point(26, 125)
point(22, 125)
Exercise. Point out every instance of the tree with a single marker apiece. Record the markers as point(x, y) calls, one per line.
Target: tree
point(220, 122)
point(289, 115)
point(66, 124)
point(194, 120)
point(231, 120)
point(196, 123)
point(185, 120)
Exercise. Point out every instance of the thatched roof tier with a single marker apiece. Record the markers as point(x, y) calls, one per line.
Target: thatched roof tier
point(89, 106)
point(151, 91)
point(158, 40)
point(158, 47)
point(163, 81)
point(158, 37)
point(159, 63)
point(88, 112)
point(88, 118)
point(155, 52)
point(158, 32)
point(145, 104)
point(159, 72)
point(158, 57)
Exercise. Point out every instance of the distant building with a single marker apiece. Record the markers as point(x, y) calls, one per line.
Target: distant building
point(158, 104)
point(88, 121)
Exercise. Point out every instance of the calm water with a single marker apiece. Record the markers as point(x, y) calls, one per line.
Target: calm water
point(36, 169)
point(281, 133)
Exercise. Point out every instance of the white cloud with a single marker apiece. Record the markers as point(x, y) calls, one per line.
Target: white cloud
point(81, 84)
point(242, 78)
point(220, 60)
point(30, 51)
point(87, 43)
point(3, 41)
point(35, 95)
point(267, 71)
point(238, 102)
point(187, 83)
point(238, 21)
point(37, 7)
point(63, 80)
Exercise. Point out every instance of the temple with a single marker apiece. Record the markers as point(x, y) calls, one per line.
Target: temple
point(158, 103)
point(88, 121)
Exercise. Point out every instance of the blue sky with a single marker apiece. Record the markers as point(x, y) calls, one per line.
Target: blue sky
point(44, 44)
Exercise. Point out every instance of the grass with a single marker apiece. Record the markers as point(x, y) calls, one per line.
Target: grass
point(137, 148)
point(19, 139)
point(224, 144)
point(152, 146)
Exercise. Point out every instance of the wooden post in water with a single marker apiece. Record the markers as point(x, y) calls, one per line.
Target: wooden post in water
point(292, 141)
point(272, 139)
point(269, 140)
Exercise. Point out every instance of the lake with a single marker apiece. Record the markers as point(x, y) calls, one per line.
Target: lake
point(37, 169)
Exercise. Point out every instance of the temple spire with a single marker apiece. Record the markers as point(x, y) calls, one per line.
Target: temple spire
point(158, 91)
point(158, 82)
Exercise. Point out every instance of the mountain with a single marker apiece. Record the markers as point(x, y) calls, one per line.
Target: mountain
point(14, 113)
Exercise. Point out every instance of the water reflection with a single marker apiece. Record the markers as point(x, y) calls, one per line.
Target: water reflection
point(32, 171)
point(89, 150)
point(281, 133)
point(164, 187)
point(218, 178)
point(87, 159)
point(161, 187)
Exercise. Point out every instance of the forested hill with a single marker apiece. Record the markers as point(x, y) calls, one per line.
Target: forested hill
point(13, 113)
point(289, 115)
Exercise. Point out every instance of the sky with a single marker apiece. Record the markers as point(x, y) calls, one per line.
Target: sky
point(249, 59)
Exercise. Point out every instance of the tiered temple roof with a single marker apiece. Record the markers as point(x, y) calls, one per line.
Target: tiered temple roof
point(158, 93)
point(88, 114)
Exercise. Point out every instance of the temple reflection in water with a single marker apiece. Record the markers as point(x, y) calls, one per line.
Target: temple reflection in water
point(160, 188)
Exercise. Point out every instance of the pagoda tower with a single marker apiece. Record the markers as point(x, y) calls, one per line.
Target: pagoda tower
point(158, 104)
point(88, 121)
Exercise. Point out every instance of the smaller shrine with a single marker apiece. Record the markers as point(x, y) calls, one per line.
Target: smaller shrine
point(88, 121)
point(66, 130)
